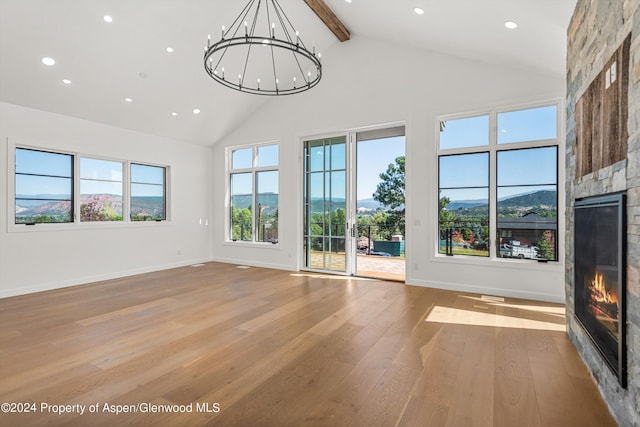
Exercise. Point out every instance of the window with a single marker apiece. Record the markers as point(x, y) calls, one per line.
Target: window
point(254, 190)
point(147, 193)
point(100, 190)
point(527, 203)
point(43, 187)
point(45, 184)
point(511, 179)
point(464, 204)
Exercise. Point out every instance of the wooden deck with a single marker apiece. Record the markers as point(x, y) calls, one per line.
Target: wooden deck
point(278, 348)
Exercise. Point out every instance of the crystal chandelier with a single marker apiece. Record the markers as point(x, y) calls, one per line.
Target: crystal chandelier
point(262, 53)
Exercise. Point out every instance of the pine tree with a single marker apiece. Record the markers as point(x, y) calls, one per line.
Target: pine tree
point(544, 248)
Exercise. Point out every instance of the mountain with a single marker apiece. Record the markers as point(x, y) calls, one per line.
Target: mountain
point(368, 204)
point(545, 198)
point(242, 201)
point(466, 204)
point(543, 202)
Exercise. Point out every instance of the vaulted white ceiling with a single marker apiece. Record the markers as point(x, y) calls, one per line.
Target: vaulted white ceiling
point(127, 58)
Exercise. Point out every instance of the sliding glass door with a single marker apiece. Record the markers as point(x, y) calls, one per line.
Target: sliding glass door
point(325, 204)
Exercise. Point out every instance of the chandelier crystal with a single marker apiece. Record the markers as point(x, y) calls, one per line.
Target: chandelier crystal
point(262, 53)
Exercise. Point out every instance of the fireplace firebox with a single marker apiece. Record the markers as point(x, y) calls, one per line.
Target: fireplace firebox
point(600, 283)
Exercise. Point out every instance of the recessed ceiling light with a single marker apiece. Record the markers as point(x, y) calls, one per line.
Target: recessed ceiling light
point(418, 10)
point(48, 61)
point(169, 49)
point(348, 1)
point(511, 25)
point(196, 111)
point(107, 18)
point(173, 113)
point(128, 100)
point(66, 81)
point(143, 75)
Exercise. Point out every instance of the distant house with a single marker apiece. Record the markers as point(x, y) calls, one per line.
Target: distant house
point(528, 229)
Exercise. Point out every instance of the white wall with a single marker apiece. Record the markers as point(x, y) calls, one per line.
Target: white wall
point(38, 259)
point(368, 82)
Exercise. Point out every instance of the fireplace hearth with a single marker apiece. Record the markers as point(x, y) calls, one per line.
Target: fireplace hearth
point(600, 284)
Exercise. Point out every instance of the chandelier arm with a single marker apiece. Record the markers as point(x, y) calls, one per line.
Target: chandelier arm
point(244, 11)
point(285, 15)
point(254, 24)
point(246, 62)
point(298, 39)
point(220, 59)
point(282, 23)
point(268, 18)
point(295, 57)
point(273, 63)
point(271, 35)
point(241, 17)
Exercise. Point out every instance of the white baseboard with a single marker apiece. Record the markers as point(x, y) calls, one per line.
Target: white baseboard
point(483, 290)
point(40, 287)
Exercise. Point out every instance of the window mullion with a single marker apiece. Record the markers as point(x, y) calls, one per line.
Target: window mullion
point(126, 192)
point(493, 181)
point(493, 203)
point(254, 194)
point(75, 197)
point(254, 217)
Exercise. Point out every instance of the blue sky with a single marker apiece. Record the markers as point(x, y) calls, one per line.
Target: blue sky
point(374, 158)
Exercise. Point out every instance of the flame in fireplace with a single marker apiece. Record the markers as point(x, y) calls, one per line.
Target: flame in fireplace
point(599, 291)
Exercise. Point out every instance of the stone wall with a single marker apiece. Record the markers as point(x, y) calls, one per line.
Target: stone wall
point(597, 29)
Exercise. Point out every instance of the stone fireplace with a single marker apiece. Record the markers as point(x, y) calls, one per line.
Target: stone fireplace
point(603, 159)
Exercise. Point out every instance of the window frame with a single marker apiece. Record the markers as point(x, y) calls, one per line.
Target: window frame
point(77, 224)
point(254, 170)
point(493, 148)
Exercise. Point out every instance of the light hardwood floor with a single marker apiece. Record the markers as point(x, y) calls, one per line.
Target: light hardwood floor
point(276, 348)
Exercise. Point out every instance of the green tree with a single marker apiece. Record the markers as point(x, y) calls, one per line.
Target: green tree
point(544, 248)
point(381, 217)
point(390, 190)
point(390, 193)
point(338, 221)
point(445, 216)
point(241, 224)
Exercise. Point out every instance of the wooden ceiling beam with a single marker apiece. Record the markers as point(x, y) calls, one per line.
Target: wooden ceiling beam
point(329, 18)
